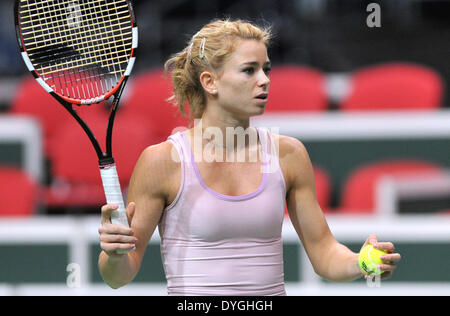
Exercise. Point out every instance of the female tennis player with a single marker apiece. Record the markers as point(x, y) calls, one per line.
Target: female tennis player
point(220, 220)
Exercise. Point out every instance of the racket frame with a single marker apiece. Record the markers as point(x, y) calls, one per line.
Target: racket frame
point(105, 159)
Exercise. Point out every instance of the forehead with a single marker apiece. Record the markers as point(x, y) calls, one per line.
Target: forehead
point(249, 51)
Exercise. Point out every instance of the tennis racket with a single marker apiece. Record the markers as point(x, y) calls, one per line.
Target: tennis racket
point(82, 53)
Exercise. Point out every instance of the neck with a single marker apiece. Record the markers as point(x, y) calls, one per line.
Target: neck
point(224, 130)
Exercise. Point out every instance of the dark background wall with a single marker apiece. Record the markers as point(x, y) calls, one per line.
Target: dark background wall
point(330, 35)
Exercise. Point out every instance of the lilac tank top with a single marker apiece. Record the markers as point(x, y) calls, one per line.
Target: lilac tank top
point(215, 244)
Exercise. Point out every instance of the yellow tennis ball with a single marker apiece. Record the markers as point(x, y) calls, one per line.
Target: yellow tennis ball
point(369, 258)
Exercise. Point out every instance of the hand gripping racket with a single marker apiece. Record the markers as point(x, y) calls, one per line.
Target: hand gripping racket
point(82, 53)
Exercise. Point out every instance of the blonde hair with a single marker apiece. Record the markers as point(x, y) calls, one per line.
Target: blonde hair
point(207, 50)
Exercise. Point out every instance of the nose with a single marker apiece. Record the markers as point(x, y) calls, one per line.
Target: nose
point(263, 80)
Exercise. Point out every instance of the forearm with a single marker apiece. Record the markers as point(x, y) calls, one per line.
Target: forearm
point(117, 271)
point(339, 264)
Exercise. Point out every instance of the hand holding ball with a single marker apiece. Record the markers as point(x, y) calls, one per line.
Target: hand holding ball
point(369, 259)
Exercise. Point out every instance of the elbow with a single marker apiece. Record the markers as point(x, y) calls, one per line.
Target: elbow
point(321, 273)
point(115, 286)
point(114, 283)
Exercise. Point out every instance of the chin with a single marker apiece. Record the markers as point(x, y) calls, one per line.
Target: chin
point(260, 111)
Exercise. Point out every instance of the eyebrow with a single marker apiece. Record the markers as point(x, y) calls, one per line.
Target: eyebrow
point(255, 63)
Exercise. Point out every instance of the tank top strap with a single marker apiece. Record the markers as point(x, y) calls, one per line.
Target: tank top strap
point(184, 158)
point(269, 149)
point(177, 142)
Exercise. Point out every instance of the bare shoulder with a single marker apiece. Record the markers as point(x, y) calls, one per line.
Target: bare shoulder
point(160, 155)
point(294, 158)
point(290, 148)
point(156, 168)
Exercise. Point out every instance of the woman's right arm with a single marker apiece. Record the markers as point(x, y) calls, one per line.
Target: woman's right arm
point(147, 196)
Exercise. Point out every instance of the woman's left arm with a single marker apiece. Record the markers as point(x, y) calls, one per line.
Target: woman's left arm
point(330, 259)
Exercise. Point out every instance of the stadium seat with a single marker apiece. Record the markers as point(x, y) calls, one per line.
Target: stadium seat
point(323, 189)
point(76, 174)
point(396, 86)
point(296, 88)
point(18, 193)
point(147, 97)
point(360, 188)
point(32, 100)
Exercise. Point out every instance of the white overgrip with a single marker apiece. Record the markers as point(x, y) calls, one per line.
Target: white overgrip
point(113, 194)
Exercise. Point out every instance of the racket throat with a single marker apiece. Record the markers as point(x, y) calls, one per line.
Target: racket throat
point(106, 162)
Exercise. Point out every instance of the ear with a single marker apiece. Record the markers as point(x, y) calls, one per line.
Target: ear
point(208, 81)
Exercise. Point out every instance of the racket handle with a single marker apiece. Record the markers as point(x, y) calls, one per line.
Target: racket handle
point(113, 195)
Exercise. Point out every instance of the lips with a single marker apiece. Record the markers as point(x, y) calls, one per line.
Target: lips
point(262, 96)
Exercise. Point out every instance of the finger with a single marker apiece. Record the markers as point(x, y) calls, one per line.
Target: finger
point(373, 239)
point(390, 258)
point(111, 229)
point(386, 275)
point(112, 248)
point(387, 246)
point(118, 239)
point(106, 212)
point(387, 267)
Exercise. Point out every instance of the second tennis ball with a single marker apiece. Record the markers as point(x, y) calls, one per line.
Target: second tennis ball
point(369, 258)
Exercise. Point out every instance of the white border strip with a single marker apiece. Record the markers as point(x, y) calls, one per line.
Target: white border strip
point(27, 60)
point(44, 85)
point(344, 227)
point(130, 66)
point(367, 125)
point(135, 37)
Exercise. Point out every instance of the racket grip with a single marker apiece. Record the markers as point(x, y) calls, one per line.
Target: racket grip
point(113, 193)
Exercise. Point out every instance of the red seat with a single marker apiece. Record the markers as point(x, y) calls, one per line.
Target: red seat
point(18, 193)
point(32, 100)
point(75, 164)
point(147, 97)
point(296, 88)
point(323, 189)
point(396, 86)
point(359, 190)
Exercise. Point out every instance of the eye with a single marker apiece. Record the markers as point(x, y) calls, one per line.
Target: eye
point(267, 70)
point(249, 70)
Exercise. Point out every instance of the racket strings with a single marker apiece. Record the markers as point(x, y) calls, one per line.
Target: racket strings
point(80, 48)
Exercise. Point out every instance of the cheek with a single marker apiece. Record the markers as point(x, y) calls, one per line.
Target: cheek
point(237, 88)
